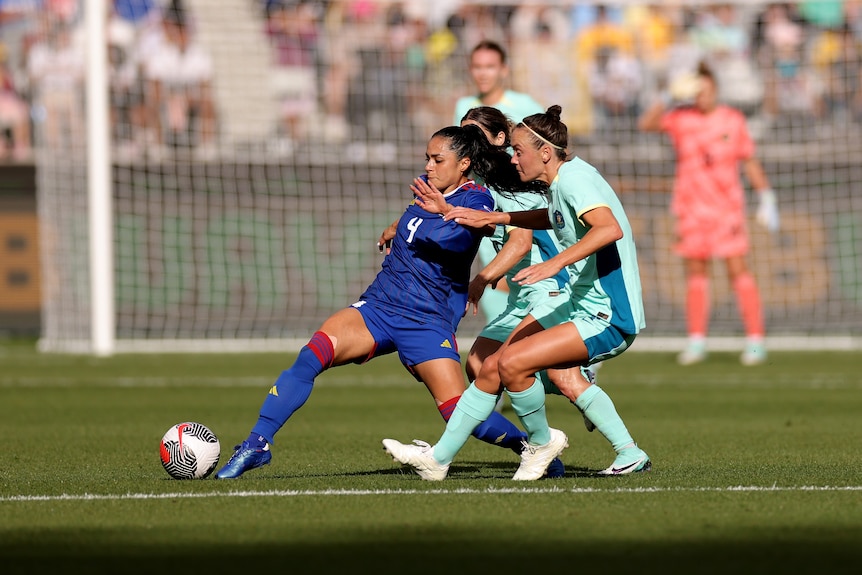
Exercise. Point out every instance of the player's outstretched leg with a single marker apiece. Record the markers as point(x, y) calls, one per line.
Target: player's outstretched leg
point(290, 392)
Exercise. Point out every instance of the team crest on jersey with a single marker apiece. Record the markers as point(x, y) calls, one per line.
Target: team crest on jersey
point(558, 220)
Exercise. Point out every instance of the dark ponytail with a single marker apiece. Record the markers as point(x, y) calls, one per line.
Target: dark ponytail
point(491, 163)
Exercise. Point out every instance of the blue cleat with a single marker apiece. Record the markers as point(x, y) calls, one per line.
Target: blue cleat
point(555, 470)
point(244, 458)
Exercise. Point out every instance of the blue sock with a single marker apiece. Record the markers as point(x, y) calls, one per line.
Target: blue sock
point(293, 386)
point(497, 430)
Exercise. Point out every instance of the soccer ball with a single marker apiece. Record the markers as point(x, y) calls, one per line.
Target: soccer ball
point(189, 451)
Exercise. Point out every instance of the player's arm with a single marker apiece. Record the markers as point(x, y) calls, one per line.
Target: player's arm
point(529, 219)
point(650, 120)
point(516, 247)
point(756, 175)
point(604, 230)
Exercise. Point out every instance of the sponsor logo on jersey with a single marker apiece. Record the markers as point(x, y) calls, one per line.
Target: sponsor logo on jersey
point(273, 391)
point(558, 220)
point(446, 343)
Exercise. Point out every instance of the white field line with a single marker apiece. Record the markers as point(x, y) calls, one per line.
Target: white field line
point(461, 491)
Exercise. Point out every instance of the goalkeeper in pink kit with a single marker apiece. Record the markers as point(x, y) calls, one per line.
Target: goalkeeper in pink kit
point(711, 140)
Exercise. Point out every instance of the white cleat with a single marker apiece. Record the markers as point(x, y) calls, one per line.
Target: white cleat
point(695, 352)
point(754, 354)
point(419, 456)
point(535, 459)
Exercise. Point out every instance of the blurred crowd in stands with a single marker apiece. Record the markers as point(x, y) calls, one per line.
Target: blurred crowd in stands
point(385, 71)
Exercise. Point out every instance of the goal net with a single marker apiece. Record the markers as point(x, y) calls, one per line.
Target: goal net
point(257, 150)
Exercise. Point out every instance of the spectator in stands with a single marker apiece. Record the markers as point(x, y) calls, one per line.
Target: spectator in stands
point(708, 202)
point(537, 31)
point(292, 31)
point(14, 115)
point(789, 87)
point(602, 35)
point(447, 64)
point(655, 29)
point(836, 58)
point(615, 80)
point(725, 44)
point(606, 50)
point(128, 108)
point(179, 75)
point(55, 68)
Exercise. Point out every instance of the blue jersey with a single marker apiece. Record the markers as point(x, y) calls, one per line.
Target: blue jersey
point(426, 274)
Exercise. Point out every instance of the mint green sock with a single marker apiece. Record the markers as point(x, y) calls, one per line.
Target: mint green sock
point(529, 406)
point(474, 407)
point(598, 407)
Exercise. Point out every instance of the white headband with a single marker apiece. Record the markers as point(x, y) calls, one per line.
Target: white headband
point(532, 131)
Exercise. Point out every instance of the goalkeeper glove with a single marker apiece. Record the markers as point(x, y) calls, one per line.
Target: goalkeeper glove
point(683, 90)
point(767, 211)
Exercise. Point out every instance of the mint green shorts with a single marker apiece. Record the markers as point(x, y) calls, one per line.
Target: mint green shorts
point(603, 340)
point(499, 328)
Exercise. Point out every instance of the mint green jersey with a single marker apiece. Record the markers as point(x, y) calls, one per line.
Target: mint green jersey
point(606, 284)
point(515, 105)
point(544, 247)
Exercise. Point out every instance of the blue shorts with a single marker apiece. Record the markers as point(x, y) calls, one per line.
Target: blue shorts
point(414, 341)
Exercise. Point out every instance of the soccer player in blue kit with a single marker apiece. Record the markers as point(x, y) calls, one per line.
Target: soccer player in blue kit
point(415, 303)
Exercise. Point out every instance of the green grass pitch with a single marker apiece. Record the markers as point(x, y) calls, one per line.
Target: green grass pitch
point(756, 470)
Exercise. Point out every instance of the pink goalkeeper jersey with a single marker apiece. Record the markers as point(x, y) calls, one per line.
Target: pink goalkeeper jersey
point(709, 148)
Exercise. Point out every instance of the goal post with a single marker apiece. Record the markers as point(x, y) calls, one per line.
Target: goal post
point(229, 197)
point(101, 246)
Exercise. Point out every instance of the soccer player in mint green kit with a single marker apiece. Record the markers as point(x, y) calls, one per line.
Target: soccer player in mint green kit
point(519, 248)
point(599, 320)
point(489, 72)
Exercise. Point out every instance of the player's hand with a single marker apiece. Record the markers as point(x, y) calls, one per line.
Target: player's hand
point(536, 273)
point(475, 291)
point(683, 89)
point(428, 197)
point(471, 218)
point(767, 211)
point(384, 243)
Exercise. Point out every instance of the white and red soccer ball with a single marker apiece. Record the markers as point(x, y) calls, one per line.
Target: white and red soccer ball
point(189, 450)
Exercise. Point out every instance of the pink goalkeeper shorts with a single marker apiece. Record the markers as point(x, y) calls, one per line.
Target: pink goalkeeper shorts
point(722, 237)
